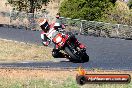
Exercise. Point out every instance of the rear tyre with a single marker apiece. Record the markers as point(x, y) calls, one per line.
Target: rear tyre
point(55, 53)
point(58, 54)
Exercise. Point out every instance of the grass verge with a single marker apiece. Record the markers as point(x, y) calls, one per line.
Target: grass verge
point(14, 51)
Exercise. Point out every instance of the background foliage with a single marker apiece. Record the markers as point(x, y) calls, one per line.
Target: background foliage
point(97, 10)
point(27, 5)
point(130, 4)
point(120, 14)
point(84, 9)
point(114, 11)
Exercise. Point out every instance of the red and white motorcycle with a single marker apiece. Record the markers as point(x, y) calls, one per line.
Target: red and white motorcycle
point(67, 42)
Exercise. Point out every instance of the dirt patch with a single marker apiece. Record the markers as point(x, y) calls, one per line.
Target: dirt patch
point(51, 74)
point(4, 6)
point(36, 74)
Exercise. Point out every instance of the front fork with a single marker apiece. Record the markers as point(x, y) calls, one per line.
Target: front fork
point(78, 45)
point(79, 48)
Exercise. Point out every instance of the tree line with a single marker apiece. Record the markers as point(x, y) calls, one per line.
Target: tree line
point(91, 10)
point(97, 10)
point(29, 6)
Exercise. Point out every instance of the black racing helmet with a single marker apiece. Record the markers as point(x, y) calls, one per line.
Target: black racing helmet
point(44, 25)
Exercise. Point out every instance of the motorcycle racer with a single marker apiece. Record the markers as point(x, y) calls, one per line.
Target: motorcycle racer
point(46, 27)
point(49, 30)
point(47, 34)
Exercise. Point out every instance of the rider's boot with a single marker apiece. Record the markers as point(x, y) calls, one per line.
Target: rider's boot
point(55, 53)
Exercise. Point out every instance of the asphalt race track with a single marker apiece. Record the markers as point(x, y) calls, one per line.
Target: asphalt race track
point(105, 53)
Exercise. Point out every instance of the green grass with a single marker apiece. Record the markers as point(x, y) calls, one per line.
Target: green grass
point(109, 85)
point(37, 83)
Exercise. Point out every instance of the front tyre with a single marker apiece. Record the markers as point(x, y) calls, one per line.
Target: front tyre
point(85, 57)
point(73, 57)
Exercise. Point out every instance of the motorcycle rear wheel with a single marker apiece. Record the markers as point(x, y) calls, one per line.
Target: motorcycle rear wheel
point(55, 53)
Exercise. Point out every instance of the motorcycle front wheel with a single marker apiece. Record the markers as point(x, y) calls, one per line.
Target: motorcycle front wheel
point(73, 57)
point(85, 57)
